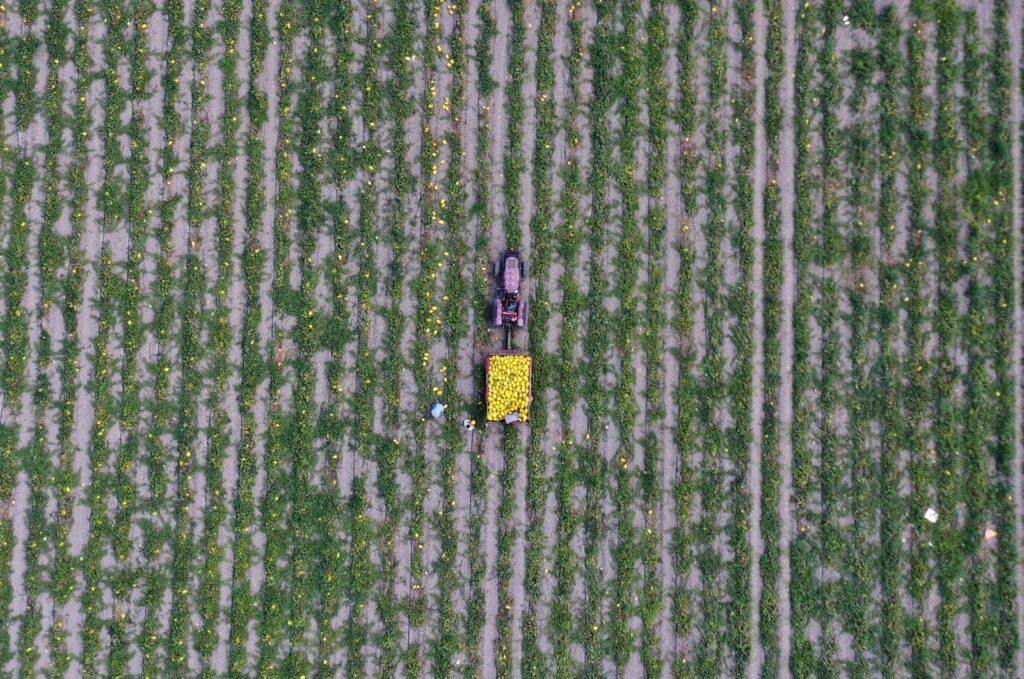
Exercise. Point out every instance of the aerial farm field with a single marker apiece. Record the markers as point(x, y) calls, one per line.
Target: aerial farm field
point(773, 266)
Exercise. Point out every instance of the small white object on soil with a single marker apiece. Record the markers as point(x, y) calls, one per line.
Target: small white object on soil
point(930, 515)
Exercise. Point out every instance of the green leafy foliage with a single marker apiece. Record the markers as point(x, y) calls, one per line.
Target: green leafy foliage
point(246, 245)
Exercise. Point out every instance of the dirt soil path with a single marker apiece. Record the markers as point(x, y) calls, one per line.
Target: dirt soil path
point(1017, 117)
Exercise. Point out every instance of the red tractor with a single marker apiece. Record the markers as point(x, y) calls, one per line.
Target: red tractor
point(509, 307)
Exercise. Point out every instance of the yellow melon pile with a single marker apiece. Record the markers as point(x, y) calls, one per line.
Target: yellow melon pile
point(509, 387)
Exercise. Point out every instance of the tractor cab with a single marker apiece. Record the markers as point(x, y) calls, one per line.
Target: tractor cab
point(509, 309)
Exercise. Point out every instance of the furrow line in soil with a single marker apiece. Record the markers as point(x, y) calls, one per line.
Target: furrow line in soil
point(1016, 31)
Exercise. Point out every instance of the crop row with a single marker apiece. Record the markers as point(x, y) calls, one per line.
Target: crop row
point(885, 263)
point(233, 286)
